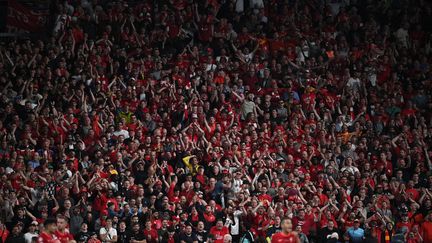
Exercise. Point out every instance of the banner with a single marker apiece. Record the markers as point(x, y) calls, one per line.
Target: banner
point(21, 18)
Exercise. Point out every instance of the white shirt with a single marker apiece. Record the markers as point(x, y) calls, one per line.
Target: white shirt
point(354, 83)
point(121, 132)
point(351, 169)
point(236, 185)
point(28, 237)
point(111, 232)
point(234, 223)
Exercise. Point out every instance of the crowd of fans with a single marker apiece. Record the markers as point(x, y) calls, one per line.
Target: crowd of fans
point(210, 121)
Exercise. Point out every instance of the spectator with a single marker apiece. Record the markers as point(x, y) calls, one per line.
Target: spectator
point(188, 236)
point(32, 233)
point(83, 235)
point(108, 233)
point(355, 233)
point(427, 227)
point(48, 235)
point(219, 231)
point(328, 232)
point(227, 238)
point(400, 236)
point(303, 238)
point(136, 235)
point(16, 235)
point(4, 232)
point(159, 119)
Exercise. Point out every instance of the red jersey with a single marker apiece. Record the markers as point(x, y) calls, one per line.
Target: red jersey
point(45, 237)
point(151, 235)
point(219, 234)
point(64, 237)
point(285, 238)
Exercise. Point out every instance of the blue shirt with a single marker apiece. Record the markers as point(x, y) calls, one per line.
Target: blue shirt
point(356, 235)
point(34, 163)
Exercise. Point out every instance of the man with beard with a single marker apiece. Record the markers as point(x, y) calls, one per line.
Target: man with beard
point(16, 234)
point(305, 221)
point(219, 231)
point(136, 236)
point(188, 236)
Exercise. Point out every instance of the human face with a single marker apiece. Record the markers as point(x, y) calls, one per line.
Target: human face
point(84, 227)
point(286, 225)
point(136, 228)
point(219, 225)
point(109, 223)
point(51, 228)
point(188, 230)
point(61, 224)
point(356, 224)
point(200, 225)
point(33, 227)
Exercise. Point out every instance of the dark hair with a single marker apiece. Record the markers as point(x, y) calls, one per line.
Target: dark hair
point(49, 221)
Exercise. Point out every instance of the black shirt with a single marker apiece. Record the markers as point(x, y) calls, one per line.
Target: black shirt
point(82, 236)
point(122, 237)
point(15, 239)
point(188, 238)
point(324, 232)
point(135, 236)
point(201, 236)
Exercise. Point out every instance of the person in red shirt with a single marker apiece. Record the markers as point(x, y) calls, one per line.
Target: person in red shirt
point(287, 235)
point(219, 231)
point(150, 233)
point(62, 233)
point(426, 228)
point(48, 235)
point(4, 232)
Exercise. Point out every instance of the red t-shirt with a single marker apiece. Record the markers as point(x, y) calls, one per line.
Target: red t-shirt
point(427, 231)
point(219, 234)
point(64, 237)
point(151, 235)
point(307, 223)
point(284, 238)
point(4, 234)
point(45, 237)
